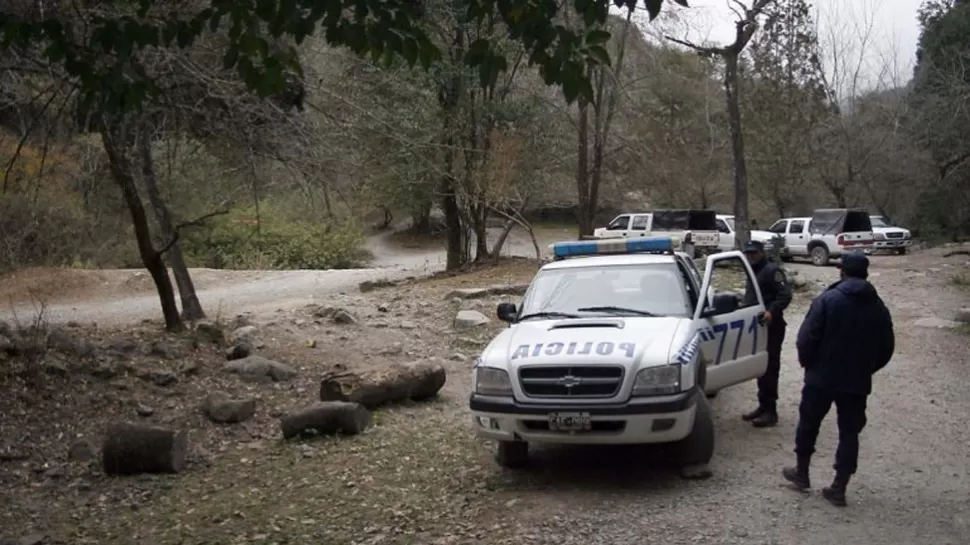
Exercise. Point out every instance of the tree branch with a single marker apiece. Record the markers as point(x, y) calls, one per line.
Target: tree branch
point(198, 222)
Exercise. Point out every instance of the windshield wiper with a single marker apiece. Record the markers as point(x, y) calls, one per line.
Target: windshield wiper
point(620, 310)
point(548, 315)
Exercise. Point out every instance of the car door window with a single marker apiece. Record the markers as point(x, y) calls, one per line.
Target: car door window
point(722, 227)
point(620, 223)
point(640, 223)
point(796, 227)
point(779, 227)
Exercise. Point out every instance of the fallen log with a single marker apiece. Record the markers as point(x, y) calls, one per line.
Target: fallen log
point(416, 381)
point(130, 448)
point(956, 252)
point(327, 418)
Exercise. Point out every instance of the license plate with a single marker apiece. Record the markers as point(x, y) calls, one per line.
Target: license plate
point(570, 422)
point(705, 239)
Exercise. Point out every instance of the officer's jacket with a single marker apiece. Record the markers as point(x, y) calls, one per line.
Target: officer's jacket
point(846, 337)
point(774, 288)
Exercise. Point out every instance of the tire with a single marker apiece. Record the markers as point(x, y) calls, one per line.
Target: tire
point(901, 251)
point(698, 447)
point(786, 258)
point(712, 395)
point(512, 454)
point(819, 255)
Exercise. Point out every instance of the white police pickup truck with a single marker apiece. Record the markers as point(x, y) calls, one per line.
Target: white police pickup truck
point(614, 344)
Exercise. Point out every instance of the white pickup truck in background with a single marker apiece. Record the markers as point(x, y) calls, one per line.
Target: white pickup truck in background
point(887, 236)
point(699, 224)
point(827, 234)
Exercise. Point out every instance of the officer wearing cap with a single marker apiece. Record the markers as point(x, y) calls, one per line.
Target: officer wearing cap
point(777, 296)
point(847, 336)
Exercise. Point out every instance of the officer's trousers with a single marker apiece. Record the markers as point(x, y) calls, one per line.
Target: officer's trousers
point(851, 410)
point(768, 382)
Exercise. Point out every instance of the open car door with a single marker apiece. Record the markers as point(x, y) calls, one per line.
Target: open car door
point(734, 342)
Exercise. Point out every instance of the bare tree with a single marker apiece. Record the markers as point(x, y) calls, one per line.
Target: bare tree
point(745, 27)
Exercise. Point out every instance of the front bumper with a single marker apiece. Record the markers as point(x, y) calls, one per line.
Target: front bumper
point(641, 420)
point(890, 243)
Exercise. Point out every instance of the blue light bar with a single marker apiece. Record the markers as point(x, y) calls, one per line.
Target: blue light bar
point(577, 248)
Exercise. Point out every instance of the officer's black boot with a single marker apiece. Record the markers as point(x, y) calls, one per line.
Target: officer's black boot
point(798, 475)
point(766, 419)
point(835, 493)
point(748, 417)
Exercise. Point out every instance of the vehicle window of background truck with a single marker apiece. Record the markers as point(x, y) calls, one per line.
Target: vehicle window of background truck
point(656, 288)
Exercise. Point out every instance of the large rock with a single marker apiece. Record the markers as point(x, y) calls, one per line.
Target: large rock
point(260, 369)
point(478, 293)
point(221, 408)
point(470, 318)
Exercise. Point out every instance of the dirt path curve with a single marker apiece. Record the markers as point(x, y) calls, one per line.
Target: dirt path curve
point(119, 297)
point(912, 486)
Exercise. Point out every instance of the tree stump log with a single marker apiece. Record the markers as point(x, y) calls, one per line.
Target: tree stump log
point(327, 418)
point(414, 381)
point(134, 448)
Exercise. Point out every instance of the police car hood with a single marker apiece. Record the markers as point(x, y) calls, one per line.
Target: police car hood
point(637, 342)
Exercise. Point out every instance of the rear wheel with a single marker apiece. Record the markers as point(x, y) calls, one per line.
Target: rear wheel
point(512, 454)
point(820, 255)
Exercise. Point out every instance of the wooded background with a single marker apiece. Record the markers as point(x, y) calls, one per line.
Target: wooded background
point(295, 180)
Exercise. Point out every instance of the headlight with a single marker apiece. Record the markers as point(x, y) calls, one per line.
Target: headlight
point(663, 379)
point(489, 381)
point(878, 236)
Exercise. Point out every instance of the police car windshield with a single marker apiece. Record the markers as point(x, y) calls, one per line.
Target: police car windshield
point(650, 288)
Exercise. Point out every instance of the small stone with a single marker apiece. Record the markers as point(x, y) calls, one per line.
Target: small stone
point(82, 450)
point(962, 316)
point(458, 356)
point(238, 351)
point(144, 410)
point(260, 369)
point(163, 378)
point(382, 308)
point(55, 367)
point(219, 407)
point(467, 293)
point(407, 325)
point(210, 332)
point(938, 323)
point(342, 316)
point(470, 318)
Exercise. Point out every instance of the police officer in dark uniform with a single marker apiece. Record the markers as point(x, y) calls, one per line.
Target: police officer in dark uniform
point(777, 296)
point(846, 338)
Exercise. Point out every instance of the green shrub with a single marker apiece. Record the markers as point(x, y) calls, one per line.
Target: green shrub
point(300, 245)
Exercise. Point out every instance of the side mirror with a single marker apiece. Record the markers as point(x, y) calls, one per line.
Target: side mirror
point(506, 312)
point(721, 303)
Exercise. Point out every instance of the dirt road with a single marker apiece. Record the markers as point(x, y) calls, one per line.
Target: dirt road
point(419, 476)
point(120, 297)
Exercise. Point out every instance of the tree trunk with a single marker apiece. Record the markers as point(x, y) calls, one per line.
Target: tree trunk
point(741, 220)
point(191, 307)
point(114, 139)
point(130, 449)
point(480, 226)
point(582, 172)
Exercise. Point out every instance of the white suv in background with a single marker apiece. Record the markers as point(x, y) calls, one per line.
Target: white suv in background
point(887, 236)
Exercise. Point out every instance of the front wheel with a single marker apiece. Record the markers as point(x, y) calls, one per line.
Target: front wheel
point(820, 256)
point(512, 454)
point(696, 450)
point(901, 251)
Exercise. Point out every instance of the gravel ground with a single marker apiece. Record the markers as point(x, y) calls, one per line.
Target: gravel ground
point(420, 477)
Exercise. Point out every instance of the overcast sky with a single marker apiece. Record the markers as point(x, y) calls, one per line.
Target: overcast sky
point(882, 34)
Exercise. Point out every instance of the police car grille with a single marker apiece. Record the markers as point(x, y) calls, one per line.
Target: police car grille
point(894, 235)
point(571, 381)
